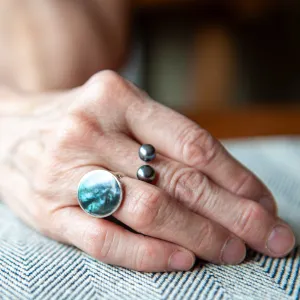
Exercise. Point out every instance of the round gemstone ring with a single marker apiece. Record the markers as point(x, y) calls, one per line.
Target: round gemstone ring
point(100, 193)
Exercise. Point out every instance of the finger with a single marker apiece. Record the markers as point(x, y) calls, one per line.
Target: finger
point(112, 244)
point(147, 210)
point(204, 197)
point(150, 211)
point(183, 140)
point(245, 218)
point(175, 136)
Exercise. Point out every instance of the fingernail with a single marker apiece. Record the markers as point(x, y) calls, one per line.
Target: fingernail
point(181, 260)
point(281, 240)
point(234, 251)
point(269, 204)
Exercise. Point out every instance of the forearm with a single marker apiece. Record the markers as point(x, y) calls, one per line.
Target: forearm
point(48, 45)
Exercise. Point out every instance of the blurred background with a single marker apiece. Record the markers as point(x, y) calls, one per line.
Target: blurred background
point(233, 66)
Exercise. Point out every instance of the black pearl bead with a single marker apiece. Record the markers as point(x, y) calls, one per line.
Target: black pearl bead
point(147, 152)
point(146, 173)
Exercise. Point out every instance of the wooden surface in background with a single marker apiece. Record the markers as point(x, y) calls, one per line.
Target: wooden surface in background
point(250, 122)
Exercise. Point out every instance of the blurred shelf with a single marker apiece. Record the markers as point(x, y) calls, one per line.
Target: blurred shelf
point(249, 122)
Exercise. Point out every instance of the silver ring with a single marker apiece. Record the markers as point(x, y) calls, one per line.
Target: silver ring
point(100, 193)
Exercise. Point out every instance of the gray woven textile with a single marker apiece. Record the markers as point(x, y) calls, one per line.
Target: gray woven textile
point(34, 267)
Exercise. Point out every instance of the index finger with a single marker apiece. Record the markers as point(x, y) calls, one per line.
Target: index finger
point(179, 138)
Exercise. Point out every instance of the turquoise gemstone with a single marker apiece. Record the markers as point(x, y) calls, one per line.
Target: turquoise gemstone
point(99, 193)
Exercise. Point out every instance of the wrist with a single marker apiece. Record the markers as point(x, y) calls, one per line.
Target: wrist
point(25, 118)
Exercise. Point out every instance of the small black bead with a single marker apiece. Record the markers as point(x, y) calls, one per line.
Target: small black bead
point(146, 173)
point(147, 152)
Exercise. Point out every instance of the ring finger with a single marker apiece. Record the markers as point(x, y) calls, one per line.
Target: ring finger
point(150, 211)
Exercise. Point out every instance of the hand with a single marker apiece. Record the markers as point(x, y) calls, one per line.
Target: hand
point(203, 204)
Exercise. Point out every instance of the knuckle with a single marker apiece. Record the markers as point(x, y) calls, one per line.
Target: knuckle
point(98, 92)
point(97, 241)
point(147, 210)
point(207, 201)
point(76, 132)
point(197, 146)
point(204, 240)
point(106, 77)
point(145, 254)
point(104, 85)
point(245, 180)
point(105, 93)
point(247, 221)
point(189, 186)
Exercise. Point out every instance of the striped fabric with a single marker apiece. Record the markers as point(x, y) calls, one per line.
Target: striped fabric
point(35, 267)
